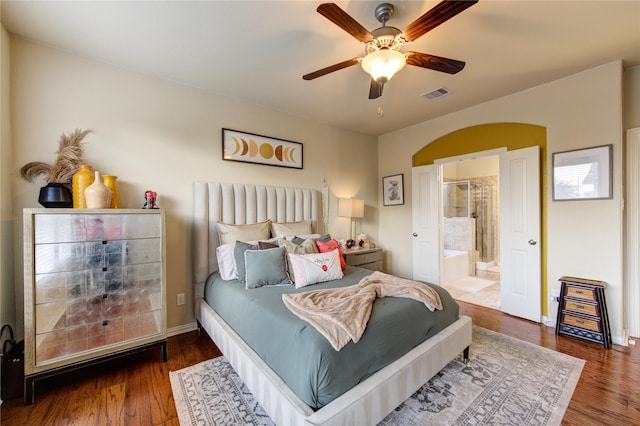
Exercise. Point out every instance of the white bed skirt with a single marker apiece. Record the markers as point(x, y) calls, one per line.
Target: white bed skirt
point(366, 404)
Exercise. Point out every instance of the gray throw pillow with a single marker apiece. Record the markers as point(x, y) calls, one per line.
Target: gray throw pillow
point(323, 238)
point(266, 267)
point(238, 254)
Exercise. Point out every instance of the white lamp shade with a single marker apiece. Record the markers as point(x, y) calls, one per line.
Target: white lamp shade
point(383, 63)
point(350, 207)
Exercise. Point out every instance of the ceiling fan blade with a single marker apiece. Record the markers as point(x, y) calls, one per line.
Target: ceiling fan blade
point(332, 12)
point(440, 13)
point(437, 63)
point(375, 90)
point(330, 69)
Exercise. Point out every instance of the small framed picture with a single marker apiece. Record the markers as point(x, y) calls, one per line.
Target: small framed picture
point(393, 190)
point(583, 174)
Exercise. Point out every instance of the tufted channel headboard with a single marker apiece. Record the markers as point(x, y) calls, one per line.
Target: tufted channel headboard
point(238, 203)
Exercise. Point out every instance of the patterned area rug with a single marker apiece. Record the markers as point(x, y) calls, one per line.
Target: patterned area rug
point(507, 382)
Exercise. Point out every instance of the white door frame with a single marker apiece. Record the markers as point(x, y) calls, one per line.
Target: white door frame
point(471, 156)
point(631, 289)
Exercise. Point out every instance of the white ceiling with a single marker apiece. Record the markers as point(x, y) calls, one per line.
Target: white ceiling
point(258, 51)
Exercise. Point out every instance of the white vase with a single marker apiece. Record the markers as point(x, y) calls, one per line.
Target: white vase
point(97, 195)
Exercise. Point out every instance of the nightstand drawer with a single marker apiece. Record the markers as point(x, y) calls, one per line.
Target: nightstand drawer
point(583, 308)
point(374, 266)
point(364, 258)
point(581, 293)
point(358, 259)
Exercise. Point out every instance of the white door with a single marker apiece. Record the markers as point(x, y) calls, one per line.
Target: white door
point(520, 284)
point(425, 213)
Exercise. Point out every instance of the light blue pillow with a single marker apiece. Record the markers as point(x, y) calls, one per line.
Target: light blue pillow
point(238, 255)
point(266, 267)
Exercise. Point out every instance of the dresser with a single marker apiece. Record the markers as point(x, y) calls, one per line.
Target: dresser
point(94, 287)
point(582, 310)
point(364, 258)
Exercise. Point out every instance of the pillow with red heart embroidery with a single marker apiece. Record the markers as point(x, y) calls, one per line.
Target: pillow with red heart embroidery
point(315, 268)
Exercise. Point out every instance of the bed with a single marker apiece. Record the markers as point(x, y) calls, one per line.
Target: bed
point(369, 401)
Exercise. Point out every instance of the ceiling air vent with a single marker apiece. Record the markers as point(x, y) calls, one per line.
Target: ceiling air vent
point(436, 94)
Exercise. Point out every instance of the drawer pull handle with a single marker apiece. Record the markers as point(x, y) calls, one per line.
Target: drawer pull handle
point(580, 306)
point(580, 321)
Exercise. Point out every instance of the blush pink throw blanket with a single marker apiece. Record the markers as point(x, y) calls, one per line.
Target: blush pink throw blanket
point(341, 314)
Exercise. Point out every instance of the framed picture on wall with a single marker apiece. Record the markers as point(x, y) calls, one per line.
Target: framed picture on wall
point(393, 190)
point(583, 174)
point(258, 149)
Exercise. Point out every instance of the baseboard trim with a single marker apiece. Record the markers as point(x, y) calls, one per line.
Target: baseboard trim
point(184, 328)
point(548, 321)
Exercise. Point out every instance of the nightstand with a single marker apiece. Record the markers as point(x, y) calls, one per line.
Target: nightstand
point(364, 258)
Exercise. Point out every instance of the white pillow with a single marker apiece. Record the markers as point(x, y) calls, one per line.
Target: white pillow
point(315, 268)
point(227, 262)
point(229, 233)
point(289, 229)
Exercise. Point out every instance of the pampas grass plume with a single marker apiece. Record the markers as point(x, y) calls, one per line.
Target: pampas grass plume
point(70, 153)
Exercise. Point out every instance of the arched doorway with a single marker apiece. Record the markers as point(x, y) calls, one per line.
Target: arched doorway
point(495, 136)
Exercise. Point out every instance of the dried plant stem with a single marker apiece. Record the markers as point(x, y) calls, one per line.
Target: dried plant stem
point(70, 153)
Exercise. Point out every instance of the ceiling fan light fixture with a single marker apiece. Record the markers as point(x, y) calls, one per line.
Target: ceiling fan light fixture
point(382, 64)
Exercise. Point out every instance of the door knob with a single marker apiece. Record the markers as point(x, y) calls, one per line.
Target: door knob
point(532, 242)
point(415, 234)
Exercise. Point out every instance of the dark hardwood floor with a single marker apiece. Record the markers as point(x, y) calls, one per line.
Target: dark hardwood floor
point(136, 390)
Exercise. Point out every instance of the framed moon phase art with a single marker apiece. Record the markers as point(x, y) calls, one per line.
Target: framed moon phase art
point(258, 149)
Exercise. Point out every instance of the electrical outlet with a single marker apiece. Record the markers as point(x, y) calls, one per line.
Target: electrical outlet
point(180, 299)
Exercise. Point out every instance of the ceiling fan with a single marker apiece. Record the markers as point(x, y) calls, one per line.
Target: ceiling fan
point(382, 46)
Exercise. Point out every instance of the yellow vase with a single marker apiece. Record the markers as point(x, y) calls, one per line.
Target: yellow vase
point(110, 182)
point(81, 181)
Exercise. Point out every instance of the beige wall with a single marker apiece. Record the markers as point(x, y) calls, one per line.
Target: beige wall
point(7, 299)
point(584, 238)
point(158, 135)
point(486, 166)
point(632, 98)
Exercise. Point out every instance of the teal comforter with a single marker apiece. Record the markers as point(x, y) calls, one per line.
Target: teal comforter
point(302, 357)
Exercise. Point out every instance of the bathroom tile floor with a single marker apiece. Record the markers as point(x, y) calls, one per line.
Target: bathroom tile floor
point(488, 296)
